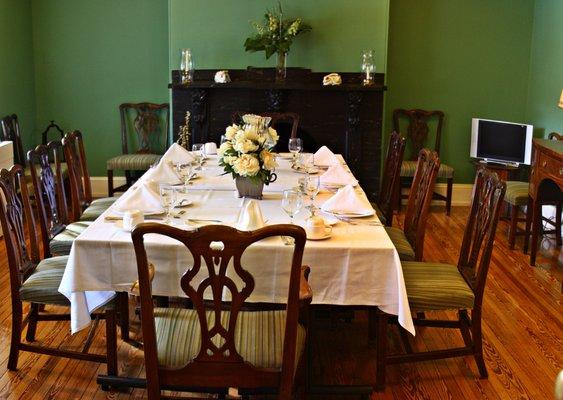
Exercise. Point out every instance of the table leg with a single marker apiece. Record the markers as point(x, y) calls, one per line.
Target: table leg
point(536, 221)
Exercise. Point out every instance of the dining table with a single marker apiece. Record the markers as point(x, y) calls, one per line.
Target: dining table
point(357, 265)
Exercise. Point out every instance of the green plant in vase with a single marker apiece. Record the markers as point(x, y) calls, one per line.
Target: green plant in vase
point(275, 36)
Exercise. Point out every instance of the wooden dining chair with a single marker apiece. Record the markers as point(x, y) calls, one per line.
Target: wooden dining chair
point(11, 131)
point(417, 132)
point(37, 281)
point(144, 138)
point(83, 206)
point(219, 344)
point(285, 123)
point(50, 200)
point(433, 286)
point(409, 241)
point(390, 184)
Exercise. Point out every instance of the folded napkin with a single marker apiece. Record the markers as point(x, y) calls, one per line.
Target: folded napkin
point(143, 198)
point(336, 175)
point(165, 169)
point(324, 157)
point(250, 217)
point(347, 201)
point(176, 154)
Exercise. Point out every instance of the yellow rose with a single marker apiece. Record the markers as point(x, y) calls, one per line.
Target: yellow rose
point(269, 160)
point(246, 165)
point(231, 131)
point(245, 146)
point(224, 147)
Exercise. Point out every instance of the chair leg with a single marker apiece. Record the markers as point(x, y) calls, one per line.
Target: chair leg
point(513, 226)
point(528, 225)
point(478, 342)
point(381, 350)
point(32, 324)
point(449, 190)
point(558, 224)
point(16, 334)
point(110, 183)
point(111, 342)
point(123, 309)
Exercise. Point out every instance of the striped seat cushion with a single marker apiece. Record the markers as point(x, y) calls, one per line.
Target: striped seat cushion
point(404, 248)
point(379, 213)
point(42, 286)
point(104, 202)
point(435, 286)
point(258, 336)
point(92, 212)
point(132, 162)
point(516, 193)
point(61, 244)
point(408, 169)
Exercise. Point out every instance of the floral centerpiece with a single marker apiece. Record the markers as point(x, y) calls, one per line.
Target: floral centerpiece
point(275, 36)
point(247, 154)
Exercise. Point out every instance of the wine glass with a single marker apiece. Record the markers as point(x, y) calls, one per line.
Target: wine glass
point(198, 150)
point(292, 203)
point(167, 199)
point(310, 186)
point(368, 66)
point(307, 161)
point(185, 173)
point(295, 147)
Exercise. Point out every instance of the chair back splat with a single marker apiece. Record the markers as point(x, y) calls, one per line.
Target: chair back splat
point(418, 129)
point(80, 187)
point(218, 363)
point(390, 184)
point(49, 190)
point(420, 197)
point(479, 235)
point(147, 125)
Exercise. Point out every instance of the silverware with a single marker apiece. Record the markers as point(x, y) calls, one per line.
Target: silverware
point(203, 220)
point(111, 218)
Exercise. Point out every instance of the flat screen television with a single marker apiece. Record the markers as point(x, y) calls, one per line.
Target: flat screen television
point(501, 142)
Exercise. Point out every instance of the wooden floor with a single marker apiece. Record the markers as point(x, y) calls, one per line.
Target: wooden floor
point(523, 335)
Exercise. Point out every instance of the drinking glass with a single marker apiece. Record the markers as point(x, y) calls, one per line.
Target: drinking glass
point(295, 147)
point(167, 199)
point(185, 173)
point(198, 150)
point(292, 203)
point(186, 66)
point(307, 161)
point(368, 66)
point(309, 186)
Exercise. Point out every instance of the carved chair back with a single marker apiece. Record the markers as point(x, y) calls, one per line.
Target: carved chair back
point(280, 122)
point(78, 175)
point(16, 217)
point(479, 235)
point(388, 191)
point(420, 197)
point(217, 252)
point(11, 131)
point(555, 136)
point(49, 190)
point(144, 127)
point(51, 127)
point(418, 128)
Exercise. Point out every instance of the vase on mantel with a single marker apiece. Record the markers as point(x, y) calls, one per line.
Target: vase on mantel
point(281, 68)
point(247, 187)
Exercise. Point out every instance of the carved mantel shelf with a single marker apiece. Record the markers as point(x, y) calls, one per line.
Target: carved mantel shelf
point(347, 118)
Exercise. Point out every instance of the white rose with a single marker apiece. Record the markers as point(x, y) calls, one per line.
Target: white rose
point(231, 131)
point(229, 159)
point(224, 147)
point(269, 160)
point(246, 165)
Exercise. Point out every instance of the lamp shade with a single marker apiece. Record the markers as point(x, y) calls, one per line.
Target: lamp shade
point(561, 100)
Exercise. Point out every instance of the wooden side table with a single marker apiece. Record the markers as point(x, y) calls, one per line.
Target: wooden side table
point(546, 178)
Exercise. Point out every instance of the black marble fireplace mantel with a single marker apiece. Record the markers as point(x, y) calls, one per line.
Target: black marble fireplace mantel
point(347, 118)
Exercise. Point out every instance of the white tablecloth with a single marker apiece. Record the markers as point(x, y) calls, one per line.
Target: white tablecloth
point(358, 265)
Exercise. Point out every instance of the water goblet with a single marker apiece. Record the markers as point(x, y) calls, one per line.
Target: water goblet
point(292, 203)
point(167, 199)
point(310, 186)
point(295, 146)
point(198, 150)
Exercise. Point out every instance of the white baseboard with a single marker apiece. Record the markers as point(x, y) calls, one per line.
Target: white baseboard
point(461, 193)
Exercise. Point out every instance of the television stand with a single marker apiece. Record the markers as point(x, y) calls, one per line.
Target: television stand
point(499, 163)
point(506, 172)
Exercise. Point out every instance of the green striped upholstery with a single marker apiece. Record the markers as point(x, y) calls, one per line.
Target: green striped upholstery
point(408, 169)
point(104, 202)
point(61, 244)
point(404, 248)
point(132, 162)
point(379, 213)
point(93, 212)
point(516, 193)
point(258, 336)
point(434, 286)
point(42, 286)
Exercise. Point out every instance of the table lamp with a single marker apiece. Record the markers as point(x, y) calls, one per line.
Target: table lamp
point(561, 100)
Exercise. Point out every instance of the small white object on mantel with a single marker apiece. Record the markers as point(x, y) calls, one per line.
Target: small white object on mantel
point(222, 76)
point(332, 80)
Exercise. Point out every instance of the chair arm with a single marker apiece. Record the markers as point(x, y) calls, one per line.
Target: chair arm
point(305, 291)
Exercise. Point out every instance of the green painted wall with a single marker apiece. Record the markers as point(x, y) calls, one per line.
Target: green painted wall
point(466, 58)
point(546, 70)
point(90, 56)
point(16, 65)
point(215, 30)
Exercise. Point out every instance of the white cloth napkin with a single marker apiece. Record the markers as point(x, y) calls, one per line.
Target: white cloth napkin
point(336, 175)
point(164, 170)
point(251, 217)
point(324, 156)
point(347, 201)
point(177, 154)
point(143, 198)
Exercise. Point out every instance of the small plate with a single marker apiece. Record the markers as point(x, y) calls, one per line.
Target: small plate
point(351, 215)
point(330, 220)
point(328, 234)
point(285, 156)
point(310, 171)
